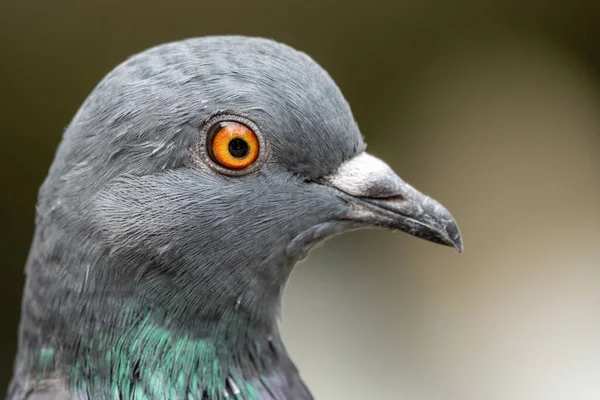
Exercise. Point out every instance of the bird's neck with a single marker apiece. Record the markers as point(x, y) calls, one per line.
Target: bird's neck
point(146, 355)
point(112, 335)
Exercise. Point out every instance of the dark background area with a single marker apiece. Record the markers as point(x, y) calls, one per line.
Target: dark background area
point(492, 107)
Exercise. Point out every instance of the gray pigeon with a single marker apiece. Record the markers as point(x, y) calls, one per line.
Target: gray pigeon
point(187, 186)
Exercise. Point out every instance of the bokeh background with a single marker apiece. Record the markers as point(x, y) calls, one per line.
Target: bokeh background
point(490, 106)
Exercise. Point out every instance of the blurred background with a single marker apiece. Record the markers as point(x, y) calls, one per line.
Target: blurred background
point(492, 107)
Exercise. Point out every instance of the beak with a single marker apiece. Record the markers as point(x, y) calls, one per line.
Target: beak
point(378, 197)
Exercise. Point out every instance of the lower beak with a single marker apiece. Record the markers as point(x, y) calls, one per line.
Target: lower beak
point(378, 197)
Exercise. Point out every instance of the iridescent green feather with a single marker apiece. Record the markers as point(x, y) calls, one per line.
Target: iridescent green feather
point(151, 362)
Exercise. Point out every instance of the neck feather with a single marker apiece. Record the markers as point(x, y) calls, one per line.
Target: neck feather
point(147, 355)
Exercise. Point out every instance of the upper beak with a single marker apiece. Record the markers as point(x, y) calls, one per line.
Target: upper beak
point(379, 197)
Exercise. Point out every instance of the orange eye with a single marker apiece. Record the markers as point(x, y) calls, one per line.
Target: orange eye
point(233, 145)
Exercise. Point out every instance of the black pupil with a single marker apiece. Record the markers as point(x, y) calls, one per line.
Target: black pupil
point(238, 148)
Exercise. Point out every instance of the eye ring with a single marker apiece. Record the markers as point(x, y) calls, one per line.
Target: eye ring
point(232, 144)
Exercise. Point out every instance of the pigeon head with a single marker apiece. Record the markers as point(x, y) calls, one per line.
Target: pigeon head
point(189, 183)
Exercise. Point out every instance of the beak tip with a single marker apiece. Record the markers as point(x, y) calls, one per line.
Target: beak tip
point(457, 243)
point(458, 246)
point(454, 237)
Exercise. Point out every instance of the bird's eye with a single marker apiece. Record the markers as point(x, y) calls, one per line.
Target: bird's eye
point(233, 145)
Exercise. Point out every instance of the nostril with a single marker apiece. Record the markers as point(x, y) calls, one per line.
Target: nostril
point(395, 197)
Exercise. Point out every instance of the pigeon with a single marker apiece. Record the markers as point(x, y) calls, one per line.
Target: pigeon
point(186, 187)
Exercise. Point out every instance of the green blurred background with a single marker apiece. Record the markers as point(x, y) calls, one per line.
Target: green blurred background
point(492, 107)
